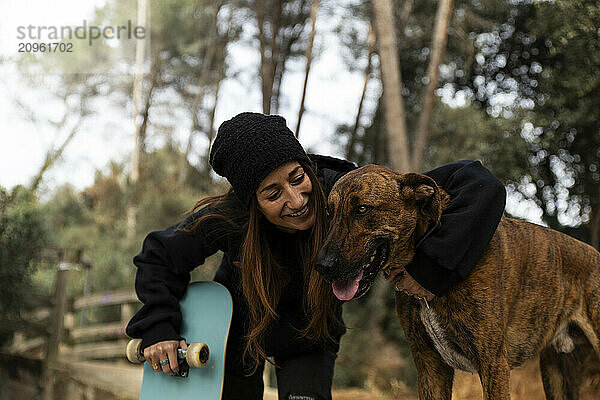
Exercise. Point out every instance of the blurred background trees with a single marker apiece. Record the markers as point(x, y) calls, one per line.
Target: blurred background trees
point(22, 235)
point(518, 88)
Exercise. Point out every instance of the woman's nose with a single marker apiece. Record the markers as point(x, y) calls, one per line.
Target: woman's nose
point(295, 199)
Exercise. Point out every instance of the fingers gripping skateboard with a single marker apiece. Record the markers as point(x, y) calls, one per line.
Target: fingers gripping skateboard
point(206, 310)
point(196, 355)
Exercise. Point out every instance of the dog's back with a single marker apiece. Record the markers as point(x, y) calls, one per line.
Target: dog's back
point(535, 283)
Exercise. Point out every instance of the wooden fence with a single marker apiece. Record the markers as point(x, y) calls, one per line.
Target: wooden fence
point(58, 339)
point(51, 331)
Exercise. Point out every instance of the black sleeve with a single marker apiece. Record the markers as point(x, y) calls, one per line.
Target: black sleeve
point(330, 170)
point(163, 274)
point(467, 226)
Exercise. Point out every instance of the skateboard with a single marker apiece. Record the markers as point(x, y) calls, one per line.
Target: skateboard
point(206, 308)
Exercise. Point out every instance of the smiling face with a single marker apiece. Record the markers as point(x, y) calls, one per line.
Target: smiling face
point(284, 197)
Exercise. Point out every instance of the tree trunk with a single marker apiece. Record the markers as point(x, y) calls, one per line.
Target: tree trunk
point(277, 32)
point(140, 47)
point(314, 11)
point(54, 153)
point(276, 63)
point(207, 63)
point(380, 146)
point(395, 120)
point(438, 46)
point(279, 68)
point(211, 127)
point(145, 117)
point(220, 76)
point(138, 120)
point(395, 125)
point(141, 139)
point(350, 153)
point(264, 64)
point(268, 50)
point(51, 156)
point(595, 225)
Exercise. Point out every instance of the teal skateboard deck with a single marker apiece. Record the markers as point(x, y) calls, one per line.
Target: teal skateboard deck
point(206, 308)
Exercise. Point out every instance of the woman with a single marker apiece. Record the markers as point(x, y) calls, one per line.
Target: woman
point(270, 227)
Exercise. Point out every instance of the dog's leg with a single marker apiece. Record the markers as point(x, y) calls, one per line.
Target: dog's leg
point(494, 374)
point(434, 377)
point(592, 309)
point(559, 375)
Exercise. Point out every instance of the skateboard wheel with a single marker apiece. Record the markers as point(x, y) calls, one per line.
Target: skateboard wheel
point(197, 355)
point(133, 351)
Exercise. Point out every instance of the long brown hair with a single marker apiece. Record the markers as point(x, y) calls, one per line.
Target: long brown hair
point(263, 280)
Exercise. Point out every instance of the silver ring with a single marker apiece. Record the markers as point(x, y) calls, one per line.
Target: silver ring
point(164, 362)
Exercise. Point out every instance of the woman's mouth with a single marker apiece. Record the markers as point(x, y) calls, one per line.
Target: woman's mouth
point(300, 213)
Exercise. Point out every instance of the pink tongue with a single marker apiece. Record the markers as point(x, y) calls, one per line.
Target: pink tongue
point(345, 290)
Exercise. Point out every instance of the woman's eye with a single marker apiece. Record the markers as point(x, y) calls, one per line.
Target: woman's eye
point(273, 196)
point(297, 180)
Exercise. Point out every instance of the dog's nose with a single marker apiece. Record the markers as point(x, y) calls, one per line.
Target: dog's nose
point(325, 264)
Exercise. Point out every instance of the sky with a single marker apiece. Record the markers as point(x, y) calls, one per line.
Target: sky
point(332, 98)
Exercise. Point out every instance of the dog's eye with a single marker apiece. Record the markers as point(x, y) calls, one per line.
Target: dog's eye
point(362, 210)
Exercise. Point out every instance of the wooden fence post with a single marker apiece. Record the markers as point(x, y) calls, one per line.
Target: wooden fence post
point(56, 327)
point(87, 287)
point(126, 313)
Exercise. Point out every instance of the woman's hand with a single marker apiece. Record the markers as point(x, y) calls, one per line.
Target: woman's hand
point(403, 282)
point(162, 351)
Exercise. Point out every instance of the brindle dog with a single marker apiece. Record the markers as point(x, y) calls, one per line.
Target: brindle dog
point(535, 292)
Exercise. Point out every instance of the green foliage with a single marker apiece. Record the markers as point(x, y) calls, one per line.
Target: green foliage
point(565, 149)
point(181, 32)
point(164, 200)
point(185, 56)
point(95, 219)
point(466, 133)
point(529, 72)
point(22, 235)
point(546, 55)
point(456, 133)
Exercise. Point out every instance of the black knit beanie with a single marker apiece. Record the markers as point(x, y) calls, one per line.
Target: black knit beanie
point(249, 147)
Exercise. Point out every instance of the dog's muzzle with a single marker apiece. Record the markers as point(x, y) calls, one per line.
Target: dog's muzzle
point(326, 265)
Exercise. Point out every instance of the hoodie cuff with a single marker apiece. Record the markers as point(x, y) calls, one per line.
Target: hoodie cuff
point(159, 332)
point(430, 275)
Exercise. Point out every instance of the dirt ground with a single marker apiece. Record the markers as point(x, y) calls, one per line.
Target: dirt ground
point(525, 384)
point(346, 394)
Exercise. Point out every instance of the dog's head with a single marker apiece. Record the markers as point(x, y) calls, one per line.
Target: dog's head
point(377, 218)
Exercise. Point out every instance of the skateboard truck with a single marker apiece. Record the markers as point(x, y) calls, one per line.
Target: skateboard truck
point(184, 368)
point(196, 355)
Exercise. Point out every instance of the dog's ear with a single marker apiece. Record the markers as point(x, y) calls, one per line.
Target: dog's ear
point(424, 190)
